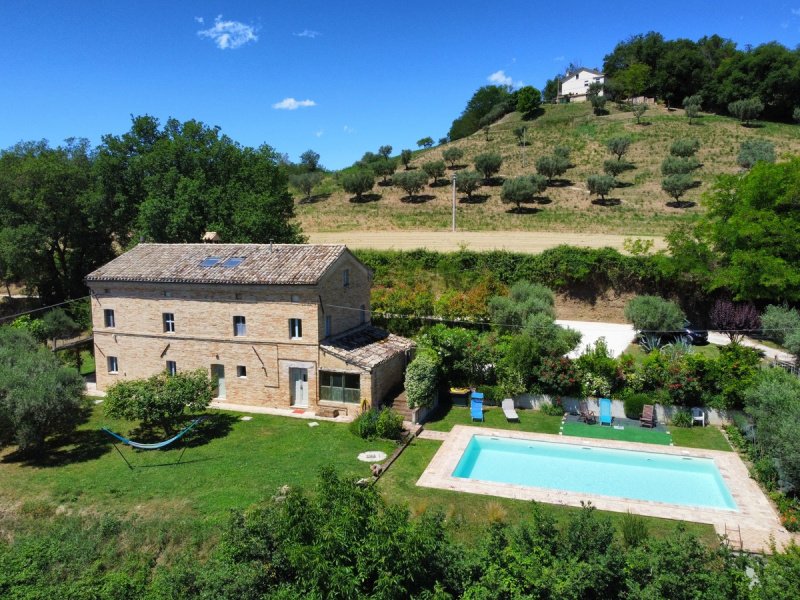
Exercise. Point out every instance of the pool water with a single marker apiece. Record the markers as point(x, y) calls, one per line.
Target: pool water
point(688, 481)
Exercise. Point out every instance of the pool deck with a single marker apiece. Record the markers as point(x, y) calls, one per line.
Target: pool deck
point(755, 518)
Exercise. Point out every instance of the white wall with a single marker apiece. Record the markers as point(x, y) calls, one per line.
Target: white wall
point(579, 86)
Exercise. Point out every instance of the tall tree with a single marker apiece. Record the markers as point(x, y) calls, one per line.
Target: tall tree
point(405, 158)
point(529, 99)
point(54, 225)
point(310, 160)
point(491, 101)
point(173, 183)
point(550, 91)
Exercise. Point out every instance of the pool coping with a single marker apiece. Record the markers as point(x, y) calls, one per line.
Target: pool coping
point(755, 517)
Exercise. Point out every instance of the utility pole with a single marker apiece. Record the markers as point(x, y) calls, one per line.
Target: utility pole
point(454, 202)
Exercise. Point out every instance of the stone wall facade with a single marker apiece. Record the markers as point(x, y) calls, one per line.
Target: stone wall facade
point(257, 358)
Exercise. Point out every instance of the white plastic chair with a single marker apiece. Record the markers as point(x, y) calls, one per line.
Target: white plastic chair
point(698, 416)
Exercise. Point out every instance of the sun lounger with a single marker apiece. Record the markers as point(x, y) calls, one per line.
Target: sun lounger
point(605, 411)
point(476, 409)
point(508, 410)
point(648, 418)
point(584, 414)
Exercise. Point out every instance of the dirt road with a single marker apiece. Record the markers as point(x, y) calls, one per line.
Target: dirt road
point(445, 241)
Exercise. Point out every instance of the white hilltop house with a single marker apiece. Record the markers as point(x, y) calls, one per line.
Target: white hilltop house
point(575, 85)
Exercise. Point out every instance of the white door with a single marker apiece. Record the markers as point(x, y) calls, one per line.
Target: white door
point(298, 382)
point(218, 379)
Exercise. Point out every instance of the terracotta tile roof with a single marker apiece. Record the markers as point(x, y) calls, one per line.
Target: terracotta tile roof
point(266, 264)
point(366, 347)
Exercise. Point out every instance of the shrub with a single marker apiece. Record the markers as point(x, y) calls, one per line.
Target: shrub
point(684, 147)
point(654, 314)
point(365, 425)
point(778, 321)
point(682, 418)
point(755, 150)
point(559, 376)
point(389, 424)
point(595, 385)
point(492, 394)
point(677, 165)
point(634, 530)
point(634, 404)
point(553, 409)
point(422, 379)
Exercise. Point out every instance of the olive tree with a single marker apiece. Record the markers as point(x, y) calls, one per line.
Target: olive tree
point(453, 155)
point(684, 147)
point(405, 157)
point(551, 166)
point(434, 169)
point(517, 191)
point(425, 142)
point(755, 150)
point(358, 182)
point(674, 165)
point(638, 111)
point(619, 145)
point(384, 168)
point(488, 164)
point(385, 151)
point(746, 110)
point(676, 185)
point(691, 106)
point(654, 314)
point(411, 182)
point(306, 182)
point(468, 182)
point(600, 185)
point(39, 396)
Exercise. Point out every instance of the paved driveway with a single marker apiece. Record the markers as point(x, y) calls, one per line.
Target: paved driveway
point(617, 335)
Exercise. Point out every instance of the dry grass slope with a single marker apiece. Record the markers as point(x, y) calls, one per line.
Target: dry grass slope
point(640, 207)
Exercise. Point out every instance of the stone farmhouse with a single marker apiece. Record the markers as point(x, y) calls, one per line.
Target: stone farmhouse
point(575, 85)
point(284, 325)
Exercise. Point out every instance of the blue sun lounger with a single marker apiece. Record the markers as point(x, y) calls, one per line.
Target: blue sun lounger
point(476, 406)
point(605, 411)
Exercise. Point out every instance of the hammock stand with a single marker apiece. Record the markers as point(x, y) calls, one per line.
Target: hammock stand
point(157, 446)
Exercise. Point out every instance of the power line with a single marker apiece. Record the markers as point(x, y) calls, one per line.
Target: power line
point(35, 310)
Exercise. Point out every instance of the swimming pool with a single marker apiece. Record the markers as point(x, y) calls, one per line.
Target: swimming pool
point(648, 476)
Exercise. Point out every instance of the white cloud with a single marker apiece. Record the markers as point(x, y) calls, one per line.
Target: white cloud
point(309, 33)
point(200, 20)
point(560, 58)
point(500, 78)
point(796, 12)
point(292, 104)
point(319, 132)
point(229, 34)
point(348, 129)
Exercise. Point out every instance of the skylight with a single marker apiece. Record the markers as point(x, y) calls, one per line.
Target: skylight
point(233, 262)
point(210, 261)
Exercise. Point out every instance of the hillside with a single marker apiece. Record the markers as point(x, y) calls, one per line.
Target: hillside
point(640, 207)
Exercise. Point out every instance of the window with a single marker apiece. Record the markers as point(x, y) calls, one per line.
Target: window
point(340, 387)
point(363, 314)
point(241, 371)
point(169, 322)
point(172, 367)
point(113, 367)
point(239, 326)
point(295, 298)
point(167, 294)
point(346, 277)
point(295, 328)
point(233, 262)
point(328, 323)
point(210, 261)
point(108, 317)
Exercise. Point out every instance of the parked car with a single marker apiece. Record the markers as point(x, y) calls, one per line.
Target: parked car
point(689, 333)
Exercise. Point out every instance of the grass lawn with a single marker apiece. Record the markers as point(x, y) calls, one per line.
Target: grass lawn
point(467, 514)
point(709, 438)
point(529, 420)
point(229, 464)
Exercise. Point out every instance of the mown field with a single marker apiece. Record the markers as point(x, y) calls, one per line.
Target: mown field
point(639, 207)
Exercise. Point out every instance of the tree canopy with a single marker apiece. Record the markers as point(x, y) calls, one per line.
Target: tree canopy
point(487, 105)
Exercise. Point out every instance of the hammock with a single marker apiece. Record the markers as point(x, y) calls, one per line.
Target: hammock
point(163, 444)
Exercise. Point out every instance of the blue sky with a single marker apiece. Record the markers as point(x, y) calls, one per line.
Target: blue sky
point(338, 77)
